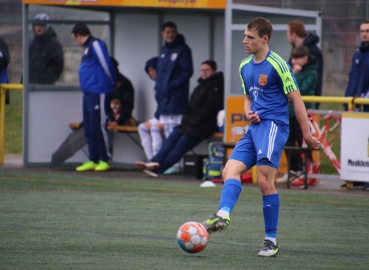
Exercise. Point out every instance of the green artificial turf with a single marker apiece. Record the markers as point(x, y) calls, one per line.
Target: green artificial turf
point(51, 221)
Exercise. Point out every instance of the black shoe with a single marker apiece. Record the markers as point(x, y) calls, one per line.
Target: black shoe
point(216, 223)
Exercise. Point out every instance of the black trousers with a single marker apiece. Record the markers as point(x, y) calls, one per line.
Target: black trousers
point(295, 139)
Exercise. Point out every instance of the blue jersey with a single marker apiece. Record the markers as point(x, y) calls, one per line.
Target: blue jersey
point(268, 83)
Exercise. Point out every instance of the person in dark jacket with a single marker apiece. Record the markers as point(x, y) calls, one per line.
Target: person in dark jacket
point(46, 57)
point(199, 123)
point(174, 70)
point(97, 77)
point(124, 92)
point(4, 62)
point(297, 35)
point(151, 130)
point(305, 68)
point(358, 83)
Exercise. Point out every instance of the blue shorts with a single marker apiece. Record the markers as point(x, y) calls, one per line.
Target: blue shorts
point(262, 144)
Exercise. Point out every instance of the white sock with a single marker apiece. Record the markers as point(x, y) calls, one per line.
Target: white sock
point(274, 240)
point(146, 141)
point(222, 213)
point(157, 140)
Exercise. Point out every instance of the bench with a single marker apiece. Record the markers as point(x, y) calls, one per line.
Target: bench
point(132, 129)
point(123, 129)
point(129, 129)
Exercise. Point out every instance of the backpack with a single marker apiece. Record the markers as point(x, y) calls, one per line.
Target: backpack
point(212, 166)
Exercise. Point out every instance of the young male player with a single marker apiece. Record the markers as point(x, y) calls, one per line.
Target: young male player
point(267, 83)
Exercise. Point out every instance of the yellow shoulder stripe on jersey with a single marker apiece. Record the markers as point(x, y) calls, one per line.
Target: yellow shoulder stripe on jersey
point(283, 71)
point(244, 62)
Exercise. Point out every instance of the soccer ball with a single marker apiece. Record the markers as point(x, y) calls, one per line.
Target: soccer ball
point(192, 237)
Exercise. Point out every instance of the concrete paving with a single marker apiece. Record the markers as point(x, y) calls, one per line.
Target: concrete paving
point(325, 185)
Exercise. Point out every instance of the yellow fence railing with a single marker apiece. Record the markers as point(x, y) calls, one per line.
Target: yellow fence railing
point(3, 88)
point(350, 101)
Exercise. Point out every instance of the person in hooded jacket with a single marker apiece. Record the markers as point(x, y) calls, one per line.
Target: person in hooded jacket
point(46, 57)
point(297, 35)
point(125, 92)
point(199, 122)
point(151, 130)
point(305, 68)
point(173, 73)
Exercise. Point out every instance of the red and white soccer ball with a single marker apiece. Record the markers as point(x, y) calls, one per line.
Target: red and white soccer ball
point(192, 237)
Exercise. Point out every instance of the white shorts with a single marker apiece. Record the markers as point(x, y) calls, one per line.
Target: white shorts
point(153, 121)
point(174, 119)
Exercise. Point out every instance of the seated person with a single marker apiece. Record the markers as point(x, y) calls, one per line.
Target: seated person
point(150, 131)
point(122, 102)
point(199, 123)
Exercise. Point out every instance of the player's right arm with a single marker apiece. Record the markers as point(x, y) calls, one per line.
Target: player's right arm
point(253, 117)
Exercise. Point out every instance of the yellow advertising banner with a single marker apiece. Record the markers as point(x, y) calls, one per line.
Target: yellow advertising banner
point(210, 4)
point(237, 125)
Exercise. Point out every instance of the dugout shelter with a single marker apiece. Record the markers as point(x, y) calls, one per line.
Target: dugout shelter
point(131, 28)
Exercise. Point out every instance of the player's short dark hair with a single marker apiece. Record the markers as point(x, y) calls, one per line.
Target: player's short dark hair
point(262, 26)
point(81, 29)
point(211, 63)
point(299, 52)
point(169, 25)
point(298, 28)
point(366, 21)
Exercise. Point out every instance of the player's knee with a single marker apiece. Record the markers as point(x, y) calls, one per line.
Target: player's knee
point(145, 125)
point(266, 187)
point(230, 171)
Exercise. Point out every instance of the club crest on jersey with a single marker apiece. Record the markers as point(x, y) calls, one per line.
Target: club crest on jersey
point(173, 57)
point(263, 79)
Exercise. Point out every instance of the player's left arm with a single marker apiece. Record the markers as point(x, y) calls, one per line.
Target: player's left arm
point(302, 118)
point(102, 54)
point(290, 89)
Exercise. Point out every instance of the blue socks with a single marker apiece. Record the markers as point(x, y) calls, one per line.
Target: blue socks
point(271, 213)
point(230, 193)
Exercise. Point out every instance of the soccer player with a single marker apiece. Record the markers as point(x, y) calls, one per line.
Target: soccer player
point(268, 83)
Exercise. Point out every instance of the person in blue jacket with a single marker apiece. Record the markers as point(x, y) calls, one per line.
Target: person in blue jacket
point(173, 73)
point(97, 77)
point(174, 70)
point(4, 62)
point(358, 83)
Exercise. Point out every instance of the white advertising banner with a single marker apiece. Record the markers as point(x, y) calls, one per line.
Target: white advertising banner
point(355, 146)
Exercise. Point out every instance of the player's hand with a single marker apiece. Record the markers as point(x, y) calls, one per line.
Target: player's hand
point(253, 117)
point(312, 142)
